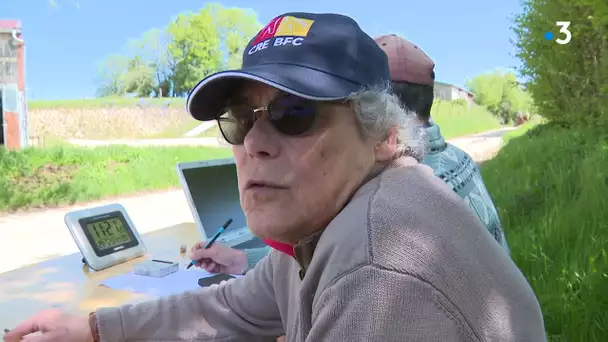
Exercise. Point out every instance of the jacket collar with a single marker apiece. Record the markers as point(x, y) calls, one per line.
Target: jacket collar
point(436, 141)
point(304, 250)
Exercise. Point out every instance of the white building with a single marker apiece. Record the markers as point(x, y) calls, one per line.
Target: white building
point(449, 92)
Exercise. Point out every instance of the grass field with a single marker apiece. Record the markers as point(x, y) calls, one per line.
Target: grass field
point(132, 118)
point(550, 186)
point(64, 175)
point(456, 120)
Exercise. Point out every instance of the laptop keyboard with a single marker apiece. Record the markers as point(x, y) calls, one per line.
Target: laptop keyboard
point(253, 243)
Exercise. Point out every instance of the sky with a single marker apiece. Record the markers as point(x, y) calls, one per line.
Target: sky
point(67, 40)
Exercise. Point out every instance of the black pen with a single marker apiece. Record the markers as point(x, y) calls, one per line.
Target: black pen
point(212, 241)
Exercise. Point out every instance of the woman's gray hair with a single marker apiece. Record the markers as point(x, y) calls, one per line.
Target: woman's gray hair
point(378, 110)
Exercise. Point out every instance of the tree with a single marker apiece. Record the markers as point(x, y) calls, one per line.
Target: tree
point(143, 70)
point(501, 93)
point(208, 41)
point(488, 89)
point(171, 61)
point(151, 57)
point(235, 27)
point(110, 76)
point(569, 82)
point(139, 78)
point(194, 48)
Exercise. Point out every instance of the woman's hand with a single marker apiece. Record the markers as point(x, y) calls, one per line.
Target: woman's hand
point(219, 258)
point(53, 326)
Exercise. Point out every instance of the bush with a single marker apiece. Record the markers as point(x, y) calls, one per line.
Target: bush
point(569, 82)
point(550, 187)
point(501, 94)
point(461, 102)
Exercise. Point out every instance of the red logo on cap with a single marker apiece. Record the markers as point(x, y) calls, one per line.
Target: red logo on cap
point(269, 30)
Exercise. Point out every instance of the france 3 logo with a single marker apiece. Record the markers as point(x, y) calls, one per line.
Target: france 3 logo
point(564, 32)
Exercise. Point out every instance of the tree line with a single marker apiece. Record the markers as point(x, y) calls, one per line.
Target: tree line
point(569, 82)
point(168, 62)
point(502, 94)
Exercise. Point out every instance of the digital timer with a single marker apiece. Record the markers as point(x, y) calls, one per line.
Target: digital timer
point(105, 235)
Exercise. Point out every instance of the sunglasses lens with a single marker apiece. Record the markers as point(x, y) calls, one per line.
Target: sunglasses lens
point(291, 115)
point(235, 123)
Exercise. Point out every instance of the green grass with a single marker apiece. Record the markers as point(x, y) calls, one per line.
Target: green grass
point(550, 186)
point(104, 102)
point(60, 175)
point(457, 120)
point(521, 130)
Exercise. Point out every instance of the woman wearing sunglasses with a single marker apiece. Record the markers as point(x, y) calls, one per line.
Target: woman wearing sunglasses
point(328, 161)
point(412, 78)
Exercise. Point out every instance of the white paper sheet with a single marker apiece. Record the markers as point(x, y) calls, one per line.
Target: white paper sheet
point(180, 281)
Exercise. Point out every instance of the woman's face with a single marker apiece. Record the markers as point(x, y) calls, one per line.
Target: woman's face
point(292, 186)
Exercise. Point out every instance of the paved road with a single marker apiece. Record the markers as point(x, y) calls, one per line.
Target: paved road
point(31, 237)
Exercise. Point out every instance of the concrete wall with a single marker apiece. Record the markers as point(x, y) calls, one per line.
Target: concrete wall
point(107, 123)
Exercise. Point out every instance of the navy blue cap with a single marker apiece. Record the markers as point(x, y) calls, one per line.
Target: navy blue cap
point(321, 57)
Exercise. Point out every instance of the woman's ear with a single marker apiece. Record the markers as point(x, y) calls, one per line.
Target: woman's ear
point(386, 149)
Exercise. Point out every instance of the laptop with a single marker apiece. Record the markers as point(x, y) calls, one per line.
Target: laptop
point(212, 192)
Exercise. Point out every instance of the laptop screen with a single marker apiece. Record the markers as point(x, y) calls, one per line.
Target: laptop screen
point(214, 193)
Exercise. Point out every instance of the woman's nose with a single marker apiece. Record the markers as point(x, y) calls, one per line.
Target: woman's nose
point(262, 140)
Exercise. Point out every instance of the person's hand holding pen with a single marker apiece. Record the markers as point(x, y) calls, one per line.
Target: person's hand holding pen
point(216, 258)
point(219, 258)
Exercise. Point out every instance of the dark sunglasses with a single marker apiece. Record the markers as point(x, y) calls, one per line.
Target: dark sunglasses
point(288, 114)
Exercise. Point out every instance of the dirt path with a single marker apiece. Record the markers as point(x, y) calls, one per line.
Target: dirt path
point(31, 237)
point(482, 146)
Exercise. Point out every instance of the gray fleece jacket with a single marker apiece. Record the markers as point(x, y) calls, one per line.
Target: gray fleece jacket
point(405, 260)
